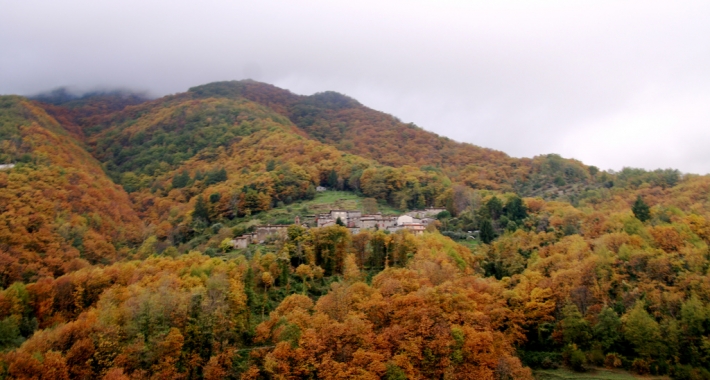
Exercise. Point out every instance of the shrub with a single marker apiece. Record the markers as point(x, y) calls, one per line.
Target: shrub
point(596, 357)
point(641, 366)
point(577, 360)
point(443, 215)
point(613, 360)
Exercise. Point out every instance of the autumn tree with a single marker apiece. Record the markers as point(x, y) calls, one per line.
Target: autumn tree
point(608, 328)
point(370, 205)
point(575, 328)
point(642, 331)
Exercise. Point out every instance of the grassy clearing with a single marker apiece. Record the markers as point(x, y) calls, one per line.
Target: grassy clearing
point(595, 374)
point(470, 244)
point(323, 203)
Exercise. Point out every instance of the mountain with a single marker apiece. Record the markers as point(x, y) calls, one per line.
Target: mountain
point(338, 120)
point(117, 214)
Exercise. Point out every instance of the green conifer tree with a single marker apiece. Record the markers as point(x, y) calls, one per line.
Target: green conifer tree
point(181, 180)
point(333, 179)
point(487, 232)
point(641, 210)
point(494, 207)
point(201, 211)
point(516, 210)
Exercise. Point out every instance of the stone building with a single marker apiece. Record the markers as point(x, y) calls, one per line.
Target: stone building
point(350, 218)
point(262, 232)
point(241, 242)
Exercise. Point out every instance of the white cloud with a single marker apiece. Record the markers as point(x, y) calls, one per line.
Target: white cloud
point(579, 78)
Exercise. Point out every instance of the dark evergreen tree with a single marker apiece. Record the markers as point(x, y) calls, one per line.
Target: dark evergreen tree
point(487, 233)
point(333, 179)
point(199, 336)
point(181, 180)
point(641, 210)
point(495, 208)
point(515, 209)
point(222, 175)
point(201, 211)
point(339, 222)
point(216, 176)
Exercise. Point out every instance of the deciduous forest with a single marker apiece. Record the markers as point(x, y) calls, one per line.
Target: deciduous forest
point(117, 212)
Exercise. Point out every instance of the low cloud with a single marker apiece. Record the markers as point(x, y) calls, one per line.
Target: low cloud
point(611, 83)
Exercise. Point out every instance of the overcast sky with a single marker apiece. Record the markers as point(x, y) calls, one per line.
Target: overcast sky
point(611, 83)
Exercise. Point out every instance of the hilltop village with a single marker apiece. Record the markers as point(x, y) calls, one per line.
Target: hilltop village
point(414, 221)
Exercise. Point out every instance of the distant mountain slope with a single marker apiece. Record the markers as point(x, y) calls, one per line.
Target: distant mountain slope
point(338, 120)
point(158, 136)
point(57, 207)
point(88, 109)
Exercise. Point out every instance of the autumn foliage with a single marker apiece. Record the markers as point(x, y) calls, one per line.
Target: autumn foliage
point(116, 259)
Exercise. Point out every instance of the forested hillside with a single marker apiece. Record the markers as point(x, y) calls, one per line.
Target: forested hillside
point(58, 210)
point(343, 122)
point(117, 212)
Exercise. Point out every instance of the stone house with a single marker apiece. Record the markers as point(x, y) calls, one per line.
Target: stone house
point(240, 242)
point(244, 240)
point(262, 232)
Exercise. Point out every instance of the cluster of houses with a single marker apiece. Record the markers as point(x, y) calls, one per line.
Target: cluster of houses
point(414, 221)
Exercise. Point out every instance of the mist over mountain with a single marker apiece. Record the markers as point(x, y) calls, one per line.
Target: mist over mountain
point(73, 98)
